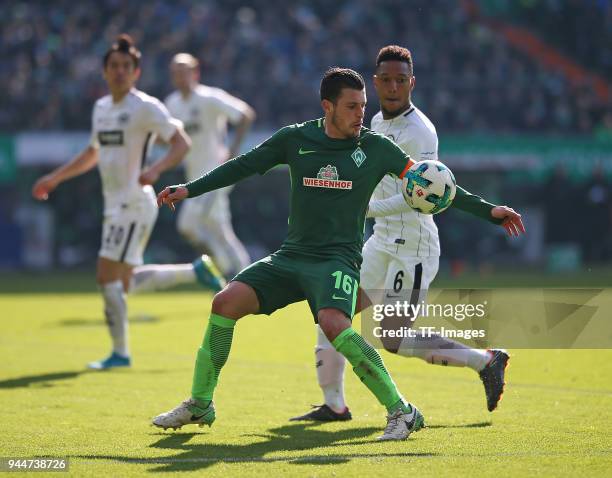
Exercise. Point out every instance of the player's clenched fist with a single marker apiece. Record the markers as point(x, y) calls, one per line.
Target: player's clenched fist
point(172, 194)
point(43, 187)
point(148, 177)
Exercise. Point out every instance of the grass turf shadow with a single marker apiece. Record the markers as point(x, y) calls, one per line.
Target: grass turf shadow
point(49, 379)
point(465, 425)
point(99, 322)
point(288, 438)
point(43, 380)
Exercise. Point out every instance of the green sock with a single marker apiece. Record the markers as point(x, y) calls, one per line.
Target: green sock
point(212, 355)
point(369, 367)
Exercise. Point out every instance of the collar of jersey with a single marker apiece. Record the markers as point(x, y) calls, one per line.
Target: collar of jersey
point(403, 114)
point(318, 133)
point(132, 91)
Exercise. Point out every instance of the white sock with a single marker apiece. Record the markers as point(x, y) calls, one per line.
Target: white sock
point(330, 372)
point(157, 277)
point(441, 351)
point(478, 359)
point(115, 310)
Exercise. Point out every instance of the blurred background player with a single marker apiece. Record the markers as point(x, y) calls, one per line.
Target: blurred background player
point(404, 251)
point(205, 111)
point(124, 125)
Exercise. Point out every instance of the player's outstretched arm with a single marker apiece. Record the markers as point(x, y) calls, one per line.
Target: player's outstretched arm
point(223, 175)
point(179, 146)
point(259, 160)
point(504, 216)
point(80, 164)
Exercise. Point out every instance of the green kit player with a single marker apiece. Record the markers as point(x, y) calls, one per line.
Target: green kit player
point(335, 165)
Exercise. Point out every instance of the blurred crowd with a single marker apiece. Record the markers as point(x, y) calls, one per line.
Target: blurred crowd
point(586, 219)
point(563, 213)
point(581, 29)
point(272, 53)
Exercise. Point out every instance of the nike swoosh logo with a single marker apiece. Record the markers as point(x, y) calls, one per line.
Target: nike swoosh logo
point(338, 298)
point(304, 151)
point(194, 418)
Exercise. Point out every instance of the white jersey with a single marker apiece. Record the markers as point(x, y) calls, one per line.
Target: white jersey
point(205, 113)
point(122, 132)
point(408, 233)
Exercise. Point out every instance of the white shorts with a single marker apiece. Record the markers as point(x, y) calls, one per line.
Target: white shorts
point(198, 215)
point(383, 272)
point(125, 233)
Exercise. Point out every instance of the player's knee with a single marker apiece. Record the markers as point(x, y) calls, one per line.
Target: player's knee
point(235, 301)
point(333, 322)
point(103, 277)
point(223, 304)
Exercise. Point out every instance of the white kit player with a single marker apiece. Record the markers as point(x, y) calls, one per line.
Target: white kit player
point(206, 111)
point(124, 125)
point(404, 251)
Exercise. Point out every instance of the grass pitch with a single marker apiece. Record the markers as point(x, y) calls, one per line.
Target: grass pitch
point(554, 419)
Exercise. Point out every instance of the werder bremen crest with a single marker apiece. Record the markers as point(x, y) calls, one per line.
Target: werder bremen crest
point(358, 156)
point(328, 172)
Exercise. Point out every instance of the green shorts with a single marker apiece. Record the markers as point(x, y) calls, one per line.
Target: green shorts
point(287, 277)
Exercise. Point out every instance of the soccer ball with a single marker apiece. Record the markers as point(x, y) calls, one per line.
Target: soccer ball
point(429, 187)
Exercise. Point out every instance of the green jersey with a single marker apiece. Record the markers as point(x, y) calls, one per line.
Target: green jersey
point(332, 181)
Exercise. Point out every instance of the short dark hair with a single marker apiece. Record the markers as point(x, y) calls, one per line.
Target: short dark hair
point(124, 44)
point(394, 53)
point(337, 78)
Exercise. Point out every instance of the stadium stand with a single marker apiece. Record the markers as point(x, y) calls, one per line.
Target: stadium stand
point(471, 77)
